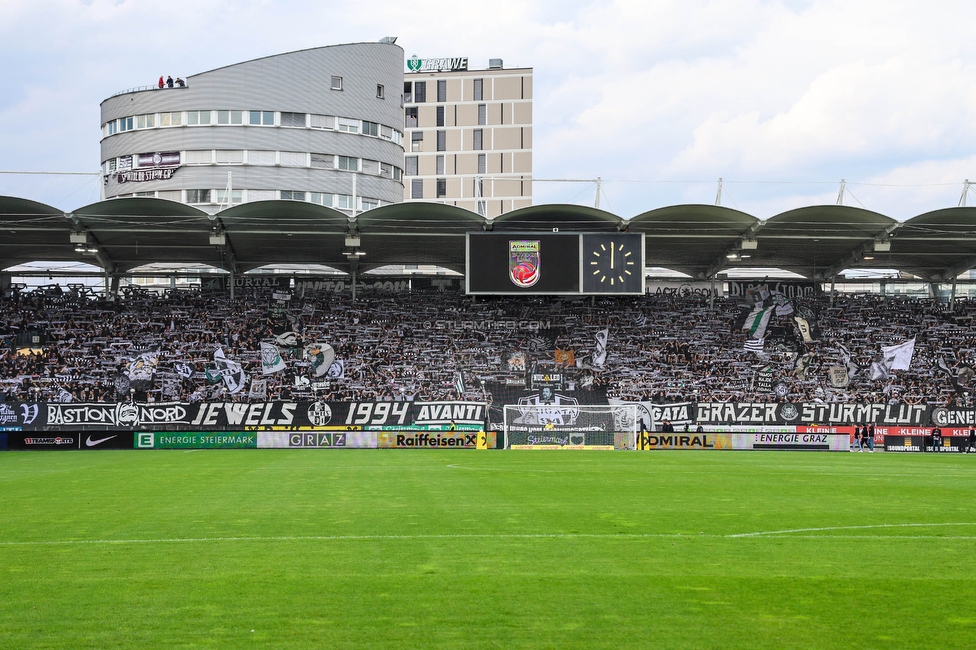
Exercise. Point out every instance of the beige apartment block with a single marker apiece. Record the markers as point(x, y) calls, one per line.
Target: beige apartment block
point(468, 135)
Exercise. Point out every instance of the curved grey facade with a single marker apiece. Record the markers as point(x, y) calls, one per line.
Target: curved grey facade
point(301, 125)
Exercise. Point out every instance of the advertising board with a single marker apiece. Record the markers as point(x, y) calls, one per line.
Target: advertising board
point(42, 441)
point(418, 440)
point(195, 440)
point(779, 440)
point(106, 440)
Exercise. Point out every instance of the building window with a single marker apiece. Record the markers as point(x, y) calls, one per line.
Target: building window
point(230, 117)
point(198, 196)
point(111, 164)
point(230, 157)
point(440, 116)
point(411, 117)
point(417, 188)
point(416, 140)
point(482, 163)
point(236, 196)
point(125, 124)
point(477, 140)
point(420, 92)
point(411, 165)
point(479, 85)
point(145, 121)
point(380, 91)
point(292, 159)
point(326, 122)
point(203, 157)
point(368, 204)
point(440, 166)
point(293, 119)
point(344, 201)
point(441, 188)
point(197, 118)
point(323, 161)
point(260, 157)
point(408, 91)
point(442, 140)
point(348, 126)
point(371, 128)
point(322, 199)
point(290, 195)
point(482, 114)
point(442, 90)
point(349, 164)
point(482, 208)
point(397, 174)
point(336, 83)
point(261, 118)
point(170, 119)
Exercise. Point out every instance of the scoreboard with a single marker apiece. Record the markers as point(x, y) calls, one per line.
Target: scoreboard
point(554, 263)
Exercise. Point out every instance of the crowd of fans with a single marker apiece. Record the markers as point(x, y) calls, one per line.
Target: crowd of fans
point(406, 346)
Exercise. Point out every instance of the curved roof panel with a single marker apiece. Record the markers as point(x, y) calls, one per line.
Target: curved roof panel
point(937, 245)
point(558, 215)
point(693, 239)
point(33, 231)
point(284, 232)
point(817, 241)
point(416, 233)
point(131, 232)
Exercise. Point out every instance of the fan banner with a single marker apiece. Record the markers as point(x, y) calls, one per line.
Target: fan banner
point(56, 417)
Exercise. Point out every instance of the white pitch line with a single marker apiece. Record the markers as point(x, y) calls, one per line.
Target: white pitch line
point(623, 536)
point(791, 531)
point(339, 538)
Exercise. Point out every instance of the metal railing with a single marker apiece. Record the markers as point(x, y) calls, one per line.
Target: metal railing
point(138, 89)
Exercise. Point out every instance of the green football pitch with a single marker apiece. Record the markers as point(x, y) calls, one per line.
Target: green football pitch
point(470, 549)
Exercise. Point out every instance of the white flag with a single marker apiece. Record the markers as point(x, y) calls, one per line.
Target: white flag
point(320, 356)
point(898, 357)
point(337, 370)
point(233, 374)
point(459, 384)
point(754, 345)
point(756, 322)
point(258, 390)
point(600, 355)
point(271, 361)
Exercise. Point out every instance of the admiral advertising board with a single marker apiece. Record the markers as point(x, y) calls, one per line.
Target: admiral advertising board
point(768, 440)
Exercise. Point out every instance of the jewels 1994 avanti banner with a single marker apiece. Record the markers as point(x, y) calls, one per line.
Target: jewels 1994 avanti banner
point(240, 416)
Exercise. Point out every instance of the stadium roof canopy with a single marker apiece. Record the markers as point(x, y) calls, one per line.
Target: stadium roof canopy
point(700, 240)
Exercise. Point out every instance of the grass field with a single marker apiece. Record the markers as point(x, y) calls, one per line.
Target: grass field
point(465, 549)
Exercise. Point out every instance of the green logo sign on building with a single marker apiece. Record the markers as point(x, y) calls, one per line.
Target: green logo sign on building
point(415, 64)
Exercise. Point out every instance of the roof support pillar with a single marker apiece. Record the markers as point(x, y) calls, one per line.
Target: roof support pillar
point(952, 296)
point(233, 273)
point(711, 293)
point(833, 280)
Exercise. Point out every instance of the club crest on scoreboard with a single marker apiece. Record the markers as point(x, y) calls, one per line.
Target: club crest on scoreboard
point(524, 263)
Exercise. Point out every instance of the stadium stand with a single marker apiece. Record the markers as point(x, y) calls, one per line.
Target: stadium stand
point(61, 346)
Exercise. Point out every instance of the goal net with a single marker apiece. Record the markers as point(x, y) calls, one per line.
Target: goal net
point(570, 426)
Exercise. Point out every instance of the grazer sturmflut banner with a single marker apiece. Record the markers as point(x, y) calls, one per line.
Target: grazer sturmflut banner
point(241, 416)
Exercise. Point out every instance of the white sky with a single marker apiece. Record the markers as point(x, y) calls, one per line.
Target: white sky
point(660, 98)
